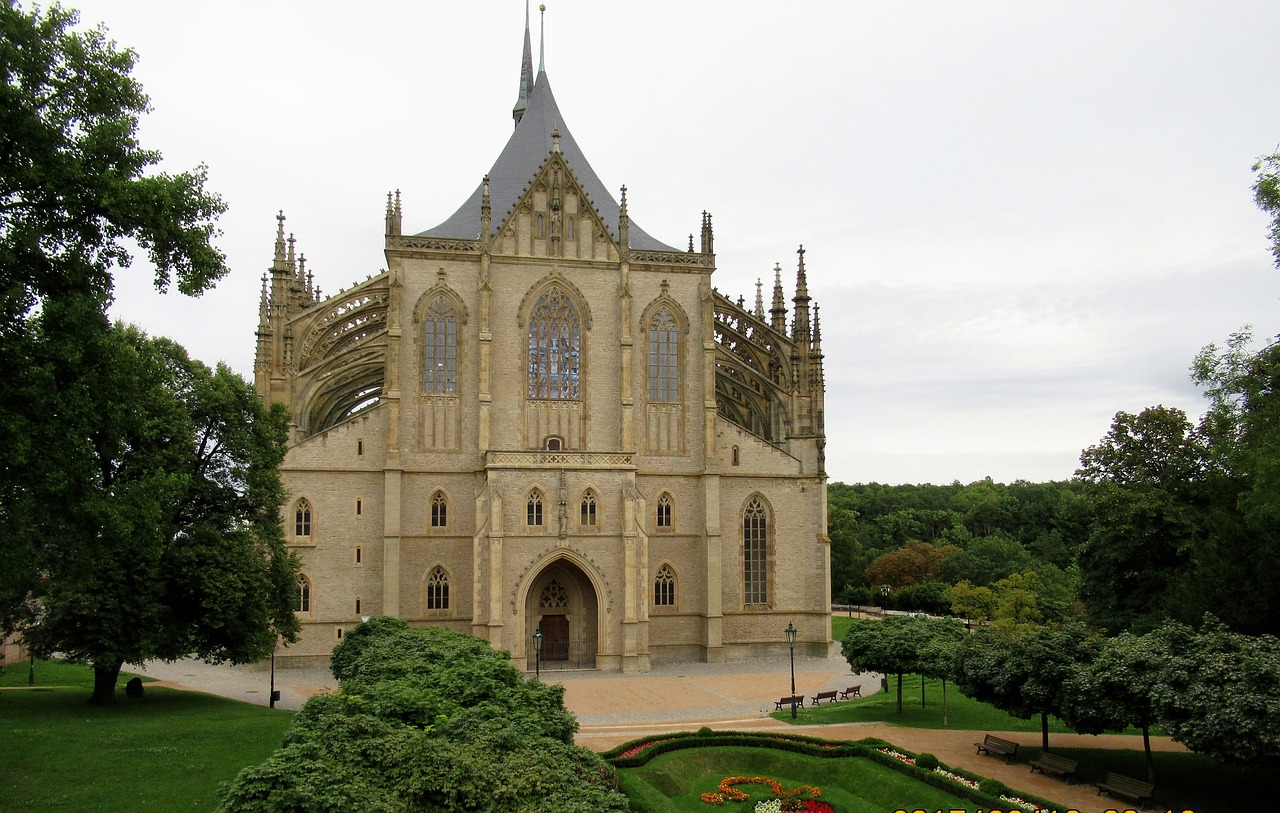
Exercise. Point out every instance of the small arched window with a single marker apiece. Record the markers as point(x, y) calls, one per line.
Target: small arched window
point(664, 510)
point(664, 587)
point(439, 510)
point(303, 604)
point(664, 357)
point(736, 458)
point(302, 519)
point(589, 508)
point(438, 589)
point(533, 509)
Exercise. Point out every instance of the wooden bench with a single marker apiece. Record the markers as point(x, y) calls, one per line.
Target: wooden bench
point(786, 701)
point(992, 744)
point(852, 691)
point(1048, 763)
point(820, 696)
point(1134, 789)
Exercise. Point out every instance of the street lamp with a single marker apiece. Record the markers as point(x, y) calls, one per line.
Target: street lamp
point(791, 642)
point(537, 651)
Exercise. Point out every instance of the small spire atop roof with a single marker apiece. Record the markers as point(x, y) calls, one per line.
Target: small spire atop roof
point(759, 311)
point(526, 72)
point(542, 37)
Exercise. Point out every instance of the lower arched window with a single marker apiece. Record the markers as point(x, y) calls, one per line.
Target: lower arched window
point(439, 510)
point(303, 604)
point(755, 552)
point(664, 587)
point(664, 510)
point(438, 589)
point(589, 508)
point(533, 509)
point(302, 519)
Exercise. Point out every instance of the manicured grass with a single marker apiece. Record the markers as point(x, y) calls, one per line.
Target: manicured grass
point(168, 751)
point(676, 781)
point(52, 673)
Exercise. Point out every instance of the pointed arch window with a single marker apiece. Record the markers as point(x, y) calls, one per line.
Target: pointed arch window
point(554, 351)
point(755, 551)
point(440, 348)
point(589, 508)
point(437, 589)
point(664, 510)
point(439, 510)
point(664, 357)
point(303, 604)
point(664, 587)
point(302, 519)
point(533, 509)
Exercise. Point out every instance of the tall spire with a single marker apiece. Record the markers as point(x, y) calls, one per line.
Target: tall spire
point(759, 311)
point(526, 72)
point(800, 320)
point(542, 36)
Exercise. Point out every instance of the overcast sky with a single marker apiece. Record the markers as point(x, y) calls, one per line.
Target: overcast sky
point(1018, 217)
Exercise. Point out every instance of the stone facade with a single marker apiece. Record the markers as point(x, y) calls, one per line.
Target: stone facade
point(541, 419)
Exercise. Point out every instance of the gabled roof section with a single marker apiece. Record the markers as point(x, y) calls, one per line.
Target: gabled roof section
point(520, 161)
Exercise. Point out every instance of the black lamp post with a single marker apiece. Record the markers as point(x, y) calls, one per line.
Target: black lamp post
point(537, 651)
point(791, 642)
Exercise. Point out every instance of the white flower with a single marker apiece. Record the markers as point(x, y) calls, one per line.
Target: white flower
point(769, 806)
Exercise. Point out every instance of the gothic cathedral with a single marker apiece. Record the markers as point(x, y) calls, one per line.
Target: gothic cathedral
point(545, 427)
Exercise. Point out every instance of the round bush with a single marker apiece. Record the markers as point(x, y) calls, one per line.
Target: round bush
point(927, 761)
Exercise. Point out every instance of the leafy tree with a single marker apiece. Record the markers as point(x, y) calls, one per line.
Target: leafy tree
point(895, 645)
point(1218, 692)
point(1150, 507)
point(1018, 601)
point(75, 186)
point(967, 601)
point(1115, 690)
point(936, 657)
point(1266, 193)
point(914, 563)
point(986, 560)
point(167, 541)
point(1025, 671)
point(428, 719)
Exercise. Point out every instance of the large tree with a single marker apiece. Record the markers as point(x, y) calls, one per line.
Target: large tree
point(122, 464)
point(1025, 671)
point(899, 645)
point(168, 540)
point(1147, 480)
point(1266, 193)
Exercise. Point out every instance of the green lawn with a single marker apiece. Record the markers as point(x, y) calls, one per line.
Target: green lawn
point(169, 751)
point(676, 781)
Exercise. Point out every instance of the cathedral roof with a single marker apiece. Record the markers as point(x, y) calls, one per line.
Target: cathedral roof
point(521, 159)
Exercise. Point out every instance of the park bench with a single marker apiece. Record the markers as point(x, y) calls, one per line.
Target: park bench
point(1134, 789)
point(1048, 763)
point(852, 691)
point(992, 744)
point(820, 696)
point(786, 701)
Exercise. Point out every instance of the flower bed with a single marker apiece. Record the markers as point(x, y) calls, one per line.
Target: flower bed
point(1017, 801)
point(798, 798)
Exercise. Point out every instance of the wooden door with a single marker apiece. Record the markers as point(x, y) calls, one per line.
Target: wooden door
point(555, 638)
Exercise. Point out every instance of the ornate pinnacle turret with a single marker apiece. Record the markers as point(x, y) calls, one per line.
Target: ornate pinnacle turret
point(690, 242)
point(542, 37)
point(264, 308)
point(291, 261)
point(817, 333)
point(800, 321)
point(526, 73)
point(486, 212)
point(305, 276)
point(779, 310)
point(759, 311)
point(391, 214)
point(624, 222)
point(279, 264)
point(708, 240)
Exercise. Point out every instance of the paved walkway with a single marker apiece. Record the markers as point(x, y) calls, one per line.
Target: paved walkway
point(614, 708)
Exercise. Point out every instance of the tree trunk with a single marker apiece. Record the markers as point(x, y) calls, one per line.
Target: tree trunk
point(1146, 746)
point(105, 676)
point(899, 693)
point(1044, 731)
point(944, 702)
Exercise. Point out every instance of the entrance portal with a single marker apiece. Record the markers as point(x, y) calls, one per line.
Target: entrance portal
point(562, 603)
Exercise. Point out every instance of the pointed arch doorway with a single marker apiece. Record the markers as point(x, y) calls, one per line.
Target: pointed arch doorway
point(562, 603)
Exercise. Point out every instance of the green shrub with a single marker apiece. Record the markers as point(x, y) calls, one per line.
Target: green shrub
point(993, 787)
point(927, 761)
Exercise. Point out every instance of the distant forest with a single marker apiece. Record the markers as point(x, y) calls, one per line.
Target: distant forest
point(923, 547)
